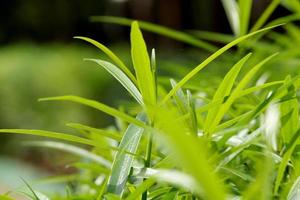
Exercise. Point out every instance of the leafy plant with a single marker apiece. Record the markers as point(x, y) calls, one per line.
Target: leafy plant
point(237, 141)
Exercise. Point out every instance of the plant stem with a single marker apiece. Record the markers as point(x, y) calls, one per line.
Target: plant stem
point(148, 159)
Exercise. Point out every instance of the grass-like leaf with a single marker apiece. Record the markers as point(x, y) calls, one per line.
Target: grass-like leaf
point(35, 196)
point(171, 33)
point(123, 162)
point(5, 197)
point(245, 7)
point(71, 149)
point(213, 36)
point(189, 150)
point(142, 66)
point(51, 134)
point(265, 16)
point(192, 112)
point(121, 77)
point(105, 133)
point(141, 189)
point(292, 5)
point(294, 191)
point(97, 105)
point(232, 11)
point(260, 189)
point(289, 114)
point(198, 68)
point(242, 84)
point(224, 90)
point(286, 158)
point(111, 55)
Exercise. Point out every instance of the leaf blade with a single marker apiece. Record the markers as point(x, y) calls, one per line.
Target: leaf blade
point(122, 162)
point(111, 55)
point(121, 77)
point(174, 34)
point(142, 66)
point(97, 105)
point(198, 68)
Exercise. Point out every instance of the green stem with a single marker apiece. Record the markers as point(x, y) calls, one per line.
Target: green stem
point(148, 159)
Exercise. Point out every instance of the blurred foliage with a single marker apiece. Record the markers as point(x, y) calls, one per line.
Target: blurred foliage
point(28, 72)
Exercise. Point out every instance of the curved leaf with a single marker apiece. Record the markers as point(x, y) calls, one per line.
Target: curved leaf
point(111, 55)
point(71, 149)
point(198, 68)
point(121, 77)
point(97, 105)
point(122, 161)
point(171, 33)
point(142, 66)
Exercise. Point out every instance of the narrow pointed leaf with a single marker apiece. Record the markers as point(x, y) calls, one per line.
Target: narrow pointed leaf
point(105, 133)
point(245, 7)
point(168, 32)
point(189, 150)
point(123, 162)
point(233, 15)
point(198, 68)
point(121, 77)
point(111, 55)
point(238, 90)
point(286, 158)
point(71, 149)
point(224, 89)
point(97, 105)
point(294, 192)
point(142, 66)
point(51, 134)
point(265, 16)
point(141, 189)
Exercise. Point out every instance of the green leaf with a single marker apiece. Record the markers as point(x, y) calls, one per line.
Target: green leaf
point(142, 67)
point(260, 87)
point(190, 151)
point(293, 5)
point(121, 77)
point(111, 197)
point(265, 16)
point(180, 98)
point(286, 157)
point(154, 70)
point(245, 7)
point(31, 190)
point(71, 149)
point(213, 36)
point(60, 136)
point(198, 68)
point(192, 112)
point(97, 105)
point(235, 94)
point(51, 134)
point(111, 55)
point(289, 114)
point(260, 189)
point(290, 121)
point(105, 133)
point(224, 90)
point(285, 19)
point(171, 33)
point(144, 186)
point(4, 197)
point(123, 162)
point(294, 191)
point(233, 15)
